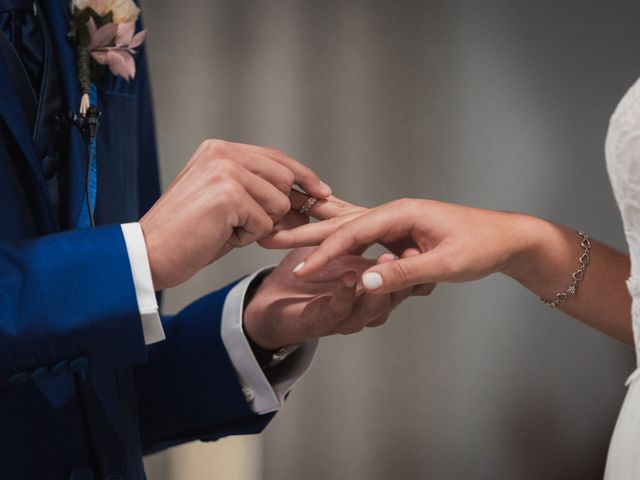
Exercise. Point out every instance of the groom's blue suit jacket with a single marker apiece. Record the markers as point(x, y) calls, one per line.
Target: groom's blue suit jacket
point(81, 396)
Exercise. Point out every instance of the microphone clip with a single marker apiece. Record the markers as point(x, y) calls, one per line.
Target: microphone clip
point(92, 121)
point(87, 123)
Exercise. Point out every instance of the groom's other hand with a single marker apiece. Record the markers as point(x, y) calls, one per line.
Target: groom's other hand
point(228, 195)
point(286, 310)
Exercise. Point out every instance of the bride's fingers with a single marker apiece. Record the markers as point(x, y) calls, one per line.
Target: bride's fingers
point(422, 290)
point(397, 298)
point(332, 211)
point(290, 221)
point(304, 236)
point(400, 296)
point(427, 268)
point(323, 209)
point(362, 230)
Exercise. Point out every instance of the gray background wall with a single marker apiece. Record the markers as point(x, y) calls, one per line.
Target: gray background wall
point(498, 104)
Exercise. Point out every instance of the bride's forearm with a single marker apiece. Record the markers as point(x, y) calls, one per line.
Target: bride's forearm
point(461, 244)
point(551, 256)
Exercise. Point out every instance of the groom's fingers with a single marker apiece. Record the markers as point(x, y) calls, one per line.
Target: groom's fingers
point(424, 289)
point(273, 172)
point(255, 222)
point(369, 309)
point(305, 235)
point(303, 175)
point(268, 197)
point(342, 302)
point(272, 165)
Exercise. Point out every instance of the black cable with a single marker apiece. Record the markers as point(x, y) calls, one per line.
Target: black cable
point(92, 123)
point(88, 186)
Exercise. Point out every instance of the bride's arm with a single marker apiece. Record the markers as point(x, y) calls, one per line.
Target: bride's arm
point(602, 299)
point(461, 244)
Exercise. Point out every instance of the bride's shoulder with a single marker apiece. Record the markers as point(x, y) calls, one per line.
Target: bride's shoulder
point(630, 102)
point(623, 136)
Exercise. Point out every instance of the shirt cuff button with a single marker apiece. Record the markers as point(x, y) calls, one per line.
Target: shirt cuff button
point(249, 396)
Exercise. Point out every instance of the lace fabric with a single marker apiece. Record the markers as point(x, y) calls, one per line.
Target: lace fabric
point(623, 164)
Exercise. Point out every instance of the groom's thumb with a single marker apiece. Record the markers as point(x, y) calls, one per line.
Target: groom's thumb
point(399, 274)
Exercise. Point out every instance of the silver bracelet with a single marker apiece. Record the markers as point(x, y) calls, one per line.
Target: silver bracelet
point(577, 276)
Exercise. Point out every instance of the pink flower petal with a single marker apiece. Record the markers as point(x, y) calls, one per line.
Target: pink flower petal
point(116, 63)
point(131, 67)
point(138, 38)
point(91, 25)
point(121, 64)
point(103, 36)
point(125, 33)
point(100, 56)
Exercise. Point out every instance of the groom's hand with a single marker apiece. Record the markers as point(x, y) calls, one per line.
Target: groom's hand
point(228, 195)
point(286, 310)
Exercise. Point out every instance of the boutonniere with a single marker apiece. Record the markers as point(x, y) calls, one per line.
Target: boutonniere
point(104, 32)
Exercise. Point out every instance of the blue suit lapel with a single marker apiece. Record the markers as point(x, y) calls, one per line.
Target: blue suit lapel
point(11, 112)
point(57, 13)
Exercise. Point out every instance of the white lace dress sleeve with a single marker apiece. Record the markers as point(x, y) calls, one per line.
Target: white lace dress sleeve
point(623, 164)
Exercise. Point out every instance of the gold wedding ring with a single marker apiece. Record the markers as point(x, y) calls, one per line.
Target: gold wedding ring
point(308, 205)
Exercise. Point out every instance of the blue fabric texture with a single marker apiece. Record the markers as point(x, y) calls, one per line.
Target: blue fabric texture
point(84, 220)
point(168, 381)
point(81, 396)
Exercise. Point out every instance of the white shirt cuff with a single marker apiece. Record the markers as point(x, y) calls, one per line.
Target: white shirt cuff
point(143, 283)
point(262, 395)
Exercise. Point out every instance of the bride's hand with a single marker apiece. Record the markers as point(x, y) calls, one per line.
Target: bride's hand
point(333, 212)
point(454, 243)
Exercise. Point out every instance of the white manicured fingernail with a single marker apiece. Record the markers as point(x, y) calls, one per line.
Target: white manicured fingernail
point(299, 267)
point(372, 280)
point(325, 187)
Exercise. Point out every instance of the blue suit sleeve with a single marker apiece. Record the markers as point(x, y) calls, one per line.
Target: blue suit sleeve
point(188, 389)
point(66, 295)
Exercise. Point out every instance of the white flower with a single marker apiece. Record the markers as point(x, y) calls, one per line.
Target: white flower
point(124, 11)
